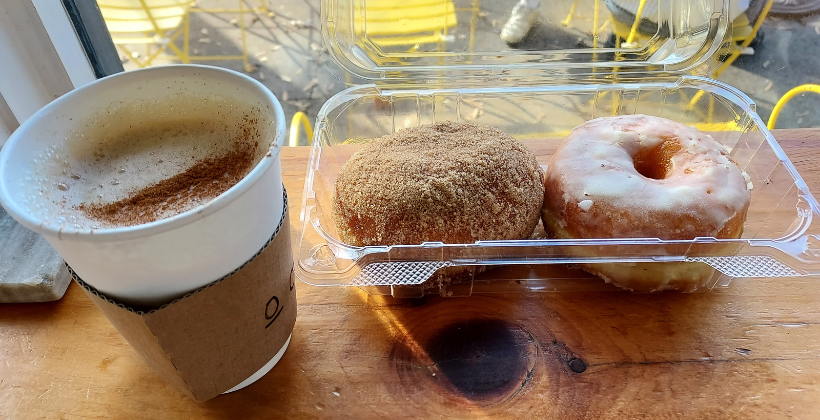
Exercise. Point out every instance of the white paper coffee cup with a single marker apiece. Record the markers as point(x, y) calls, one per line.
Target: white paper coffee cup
point(154, 262)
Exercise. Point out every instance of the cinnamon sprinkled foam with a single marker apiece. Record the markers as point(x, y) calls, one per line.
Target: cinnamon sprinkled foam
point(134, 145)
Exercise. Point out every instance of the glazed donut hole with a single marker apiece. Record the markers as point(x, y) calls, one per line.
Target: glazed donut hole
point(656, 162)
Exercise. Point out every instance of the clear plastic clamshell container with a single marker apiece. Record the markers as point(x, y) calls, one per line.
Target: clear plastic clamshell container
point(539, 97)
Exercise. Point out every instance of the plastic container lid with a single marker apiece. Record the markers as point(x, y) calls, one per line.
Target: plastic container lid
point(413, 42)
point(539, 93)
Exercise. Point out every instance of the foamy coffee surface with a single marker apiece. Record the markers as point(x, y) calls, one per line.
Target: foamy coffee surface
point(130, 146)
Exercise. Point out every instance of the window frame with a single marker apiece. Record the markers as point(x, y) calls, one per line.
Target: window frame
point(47, 53)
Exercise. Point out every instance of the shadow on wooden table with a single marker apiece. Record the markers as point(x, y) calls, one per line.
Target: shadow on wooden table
point(558, 353)
point(501, 354)
point(17, 314)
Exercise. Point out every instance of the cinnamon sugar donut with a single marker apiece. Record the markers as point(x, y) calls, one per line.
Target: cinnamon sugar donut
point(448, 182)
point(644, 177)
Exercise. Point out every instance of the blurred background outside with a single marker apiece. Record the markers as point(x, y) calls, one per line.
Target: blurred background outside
point(279, 43)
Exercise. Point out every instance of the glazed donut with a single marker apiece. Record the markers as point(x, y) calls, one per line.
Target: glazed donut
point(448, 182)
point(644, 177)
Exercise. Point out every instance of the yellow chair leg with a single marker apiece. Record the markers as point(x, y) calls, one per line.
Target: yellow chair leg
point(566, 21)
point(300, 117)
point(173, 47)
point(711, 116)
point(248, 67)
point(695, 99)
point(595, 26)
point(636, 23)
point(473, 20)
point(130, 54)
point(736, 53)
point(786, 98)
point(601, 29)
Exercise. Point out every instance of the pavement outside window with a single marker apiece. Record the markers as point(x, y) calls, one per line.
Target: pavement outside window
point(285, 50)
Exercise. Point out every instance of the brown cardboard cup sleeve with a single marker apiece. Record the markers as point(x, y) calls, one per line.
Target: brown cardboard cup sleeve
point(210, 340)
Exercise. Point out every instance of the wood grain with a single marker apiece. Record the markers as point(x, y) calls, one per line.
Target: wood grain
point(749, 351)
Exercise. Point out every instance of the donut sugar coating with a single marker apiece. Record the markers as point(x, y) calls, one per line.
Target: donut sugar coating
point(639, 176)
point(446, 182)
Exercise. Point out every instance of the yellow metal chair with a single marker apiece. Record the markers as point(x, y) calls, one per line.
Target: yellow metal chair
point(411, 23)
point(408, 23)
point(746, 34)
point(741, 36)
point(741, 31)
point(159, 24)
point(300, 118)
point(786, 98)
point(155, 23)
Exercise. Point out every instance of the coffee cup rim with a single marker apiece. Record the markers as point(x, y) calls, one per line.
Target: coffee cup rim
point(159, 226)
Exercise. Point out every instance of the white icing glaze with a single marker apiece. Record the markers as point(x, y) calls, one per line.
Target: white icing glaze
point(748, 179)
point(595, 163)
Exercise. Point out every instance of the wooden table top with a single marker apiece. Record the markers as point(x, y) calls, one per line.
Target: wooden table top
point(751, 350)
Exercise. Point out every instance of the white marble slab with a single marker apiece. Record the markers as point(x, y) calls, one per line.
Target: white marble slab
point(30, 269)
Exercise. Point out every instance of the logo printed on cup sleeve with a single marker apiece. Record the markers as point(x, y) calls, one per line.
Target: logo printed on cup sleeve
point(276, 310)
point(272, 314)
